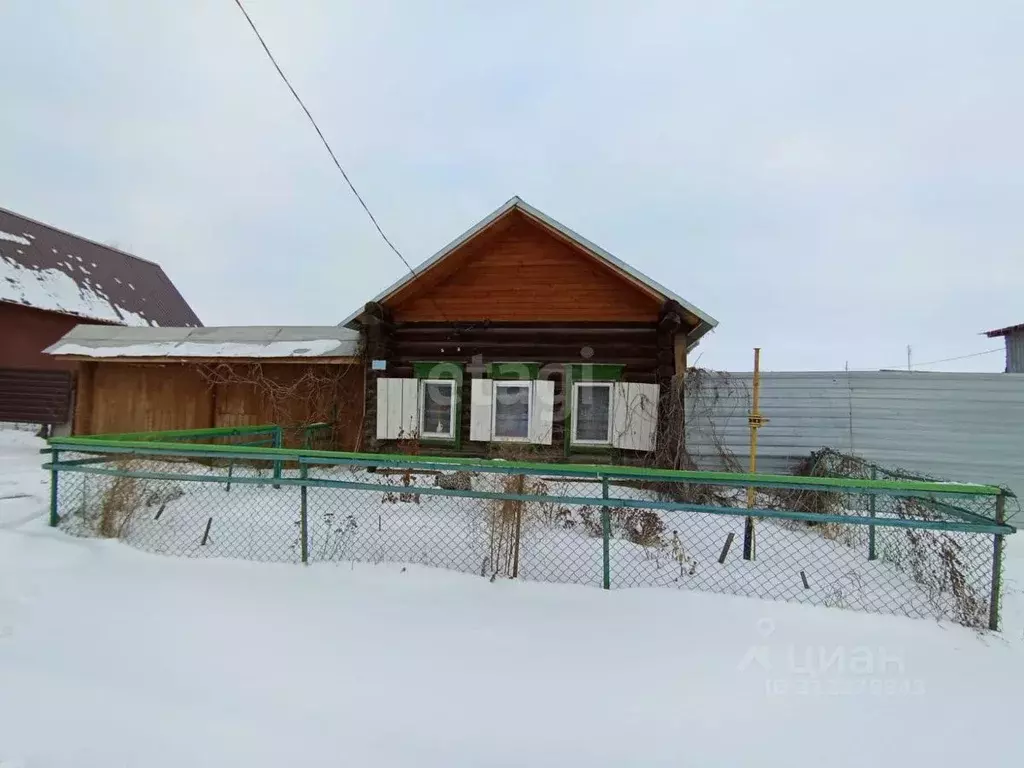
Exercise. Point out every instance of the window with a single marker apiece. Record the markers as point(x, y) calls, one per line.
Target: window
point(511, 410)
point(437, 409)
point(592, 413)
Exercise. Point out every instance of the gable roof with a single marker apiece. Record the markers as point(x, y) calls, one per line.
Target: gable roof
point(49, 269)
point(252, 341)
point(705, 321)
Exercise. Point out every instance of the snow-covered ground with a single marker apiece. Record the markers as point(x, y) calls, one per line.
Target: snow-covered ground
point(821, 565)
point(24, 487)
point(110, 656)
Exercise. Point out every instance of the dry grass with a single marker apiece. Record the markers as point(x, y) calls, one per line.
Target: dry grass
point(510, 520)
point(122, 499)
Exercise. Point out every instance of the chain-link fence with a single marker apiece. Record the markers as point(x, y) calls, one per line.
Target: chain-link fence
point(912, 548)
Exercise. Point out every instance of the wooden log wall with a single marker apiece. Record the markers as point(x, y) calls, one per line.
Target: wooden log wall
point(670, 404)
point(647, 350)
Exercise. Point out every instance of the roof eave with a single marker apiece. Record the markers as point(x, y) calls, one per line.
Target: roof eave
point(418, 271)
point(694, 337)
point(701, 315)
point(198, 360)
point(1005, 331)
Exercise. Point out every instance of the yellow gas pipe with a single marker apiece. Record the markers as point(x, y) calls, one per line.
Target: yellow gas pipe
point(756, 421)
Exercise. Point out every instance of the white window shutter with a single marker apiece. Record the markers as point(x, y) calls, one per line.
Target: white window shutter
point(383, 396)
point(397, 408)
point(635, 416)
point(620, 413)
point(543, 410)
point(409, 427)
point(480, 403)
point(647, 397)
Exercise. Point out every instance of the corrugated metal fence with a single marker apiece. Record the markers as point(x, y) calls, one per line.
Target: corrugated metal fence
point(949, 425)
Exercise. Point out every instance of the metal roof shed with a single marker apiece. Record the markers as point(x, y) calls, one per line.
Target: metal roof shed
point(148, 379)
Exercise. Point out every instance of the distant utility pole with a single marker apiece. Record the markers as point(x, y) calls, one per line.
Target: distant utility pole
point(910, 366)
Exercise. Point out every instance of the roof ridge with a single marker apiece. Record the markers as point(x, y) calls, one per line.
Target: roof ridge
point(75, 235)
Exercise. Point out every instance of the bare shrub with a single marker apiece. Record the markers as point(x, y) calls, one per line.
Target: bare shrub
point(505, 519)
point(822, 463)
point(164, 494)
point(643, 527)
point(509, 521)
point(408, 445)
point(120, 501)
point(460, 480)
point(937, 562)
point(825, 462)
point(695, 397)
point(590, 519)
point(639, 526)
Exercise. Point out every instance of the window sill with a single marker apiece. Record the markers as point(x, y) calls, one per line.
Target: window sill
point(595, 448)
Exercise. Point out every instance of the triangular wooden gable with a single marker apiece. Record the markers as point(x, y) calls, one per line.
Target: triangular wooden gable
point(517, 269)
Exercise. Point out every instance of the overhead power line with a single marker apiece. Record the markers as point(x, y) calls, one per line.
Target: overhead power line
point(320, 133)
point(935, 362)
point(961, 357)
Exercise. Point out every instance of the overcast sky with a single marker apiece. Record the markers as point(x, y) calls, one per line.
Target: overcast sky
point(831, 180)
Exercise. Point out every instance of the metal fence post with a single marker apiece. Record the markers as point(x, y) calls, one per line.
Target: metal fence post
point(54, 512)
point(303, 527)
point(606, 535)
point(278, 440)
point(872, 555)
point(997, 565)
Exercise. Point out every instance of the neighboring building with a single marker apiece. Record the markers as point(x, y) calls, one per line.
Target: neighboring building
point(522, 332)
point(150, 379)
point(1014, 338)
point(50, 281)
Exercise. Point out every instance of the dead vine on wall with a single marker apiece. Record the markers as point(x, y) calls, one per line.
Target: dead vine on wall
point(305, 395)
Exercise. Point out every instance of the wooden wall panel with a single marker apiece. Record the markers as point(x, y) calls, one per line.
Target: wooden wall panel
point(523, 273)
point(238, 405)
point(83, 402)
point(142, 398)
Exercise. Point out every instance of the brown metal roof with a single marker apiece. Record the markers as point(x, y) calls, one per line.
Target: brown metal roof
point(108, 284)
point(1004, 331)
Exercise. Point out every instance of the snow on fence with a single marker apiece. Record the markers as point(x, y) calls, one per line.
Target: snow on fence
point(922, 549)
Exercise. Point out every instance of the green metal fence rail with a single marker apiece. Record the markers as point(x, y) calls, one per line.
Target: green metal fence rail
point(912, 547)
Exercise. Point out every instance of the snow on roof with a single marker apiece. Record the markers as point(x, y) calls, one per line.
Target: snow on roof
point(54, 290)
point(12, 238)
point(52, 270)
point(97, 341)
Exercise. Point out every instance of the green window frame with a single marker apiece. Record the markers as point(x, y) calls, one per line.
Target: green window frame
point(513, 370)
point(439, 371)
point(576, 373)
